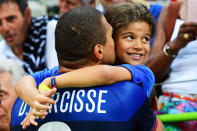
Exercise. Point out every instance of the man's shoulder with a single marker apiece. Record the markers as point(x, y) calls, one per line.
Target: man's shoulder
point(41, 75)
point(2, 43)
point(46, 71)
point(3, 47)
point(51, 25)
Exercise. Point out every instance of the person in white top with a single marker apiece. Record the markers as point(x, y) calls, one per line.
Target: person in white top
point(24, 36)
point(173, 61)
point(64, 5)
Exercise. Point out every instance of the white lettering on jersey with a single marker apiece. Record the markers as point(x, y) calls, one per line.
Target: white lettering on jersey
point(100, 101)
point(56, 100)
point(67, 93)
point(71, 101)
point(75, 101)
point(91, 101)
point(22, 109)
point(79, 100)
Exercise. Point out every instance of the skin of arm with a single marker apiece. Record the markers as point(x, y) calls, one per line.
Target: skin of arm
point(27, 91)
point(157, 56)
point(160, 125)
point(91, 76)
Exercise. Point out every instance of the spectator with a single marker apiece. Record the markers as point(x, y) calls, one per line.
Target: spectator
point(10, 73)
point(172, 60)
point(24, 36)
point(64, 5)
point(104, 4)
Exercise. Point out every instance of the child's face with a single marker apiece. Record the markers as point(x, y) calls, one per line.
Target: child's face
point(133, 43)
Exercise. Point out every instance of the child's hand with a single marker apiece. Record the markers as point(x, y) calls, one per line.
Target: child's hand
point(39, 107)
point(29, 119)
point(47, 82)
point(42, 101)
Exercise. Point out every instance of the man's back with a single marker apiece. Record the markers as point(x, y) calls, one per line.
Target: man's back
point(121, 106)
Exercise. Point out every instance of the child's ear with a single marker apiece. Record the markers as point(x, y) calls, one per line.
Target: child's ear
point(99, 51)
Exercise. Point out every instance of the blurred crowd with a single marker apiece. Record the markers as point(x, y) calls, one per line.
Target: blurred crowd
point(165, 42)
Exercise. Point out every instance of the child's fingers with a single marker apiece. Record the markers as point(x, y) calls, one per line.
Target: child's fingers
point(39, 113)
point(45, 99)
point(42, 117)
point(25, 121)
point(32, 120)
point(49, 93)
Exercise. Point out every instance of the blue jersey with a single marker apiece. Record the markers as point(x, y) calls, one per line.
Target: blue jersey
point(120, 106)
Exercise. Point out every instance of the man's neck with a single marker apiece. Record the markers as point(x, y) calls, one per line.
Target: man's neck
point(63, 68)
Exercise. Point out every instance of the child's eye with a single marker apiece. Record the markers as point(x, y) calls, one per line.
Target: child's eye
point(129, 37)
point(146, 39)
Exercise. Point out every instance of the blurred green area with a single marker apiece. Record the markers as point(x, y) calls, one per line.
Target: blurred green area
point(43, 7)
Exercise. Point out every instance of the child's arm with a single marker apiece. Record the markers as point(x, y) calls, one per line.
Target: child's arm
point(27, 90)
point(91, 76)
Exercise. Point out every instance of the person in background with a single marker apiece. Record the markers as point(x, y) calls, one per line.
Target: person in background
point(10, 73)
point(64, 6)
point(99, 117)
point(155, 9)
point(104, 4)
point(173, 61)
point(24, 36)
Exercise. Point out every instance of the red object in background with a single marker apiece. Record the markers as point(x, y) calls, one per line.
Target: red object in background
point(173, 0)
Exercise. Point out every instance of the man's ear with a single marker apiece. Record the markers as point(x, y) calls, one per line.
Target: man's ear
point(99, 51)
point(28, 15)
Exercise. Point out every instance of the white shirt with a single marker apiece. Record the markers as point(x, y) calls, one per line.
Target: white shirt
point(7, 53)
point(51, 54)
point(183, 68)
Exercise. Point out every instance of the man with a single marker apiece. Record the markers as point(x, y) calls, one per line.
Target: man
point(66, 5)
point(10, 73)
point(104, 4)
point(24, 36)
point(84, 38)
